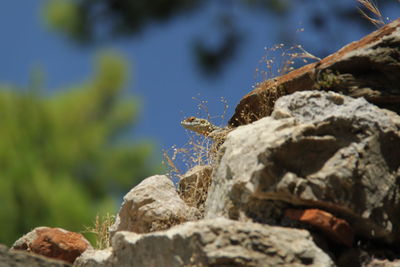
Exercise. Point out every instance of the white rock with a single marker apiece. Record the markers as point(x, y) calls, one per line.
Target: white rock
point(94, 258)
point(218, 242)
point(318, 149)
point(152, 205)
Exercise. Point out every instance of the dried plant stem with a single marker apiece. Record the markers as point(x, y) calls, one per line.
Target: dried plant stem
point(100, 230)
point(373, 8)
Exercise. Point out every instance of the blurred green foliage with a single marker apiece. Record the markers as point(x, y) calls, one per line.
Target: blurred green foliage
point(85, 20)
point(62, 158)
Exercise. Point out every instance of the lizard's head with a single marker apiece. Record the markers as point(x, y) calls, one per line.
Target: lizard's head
point(198, 125)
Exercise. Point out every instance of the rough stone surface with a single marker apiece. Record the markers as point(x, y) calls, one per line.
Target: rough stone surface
point(337, 229)
point(318, 149)
point(17, 258)
point(193, 186)
point(24, 242)
point(54, 243)
point(152, 205)
point(94, 258)
point(218, 242)
point(383, 263)
point(369, 68)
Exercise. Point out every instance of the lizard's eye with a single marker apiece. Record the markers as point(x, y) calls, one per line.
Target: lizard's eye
point(190, 119)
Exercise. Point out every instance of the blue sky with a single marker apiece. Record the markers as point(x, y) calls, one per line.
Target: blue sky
point(163, 74)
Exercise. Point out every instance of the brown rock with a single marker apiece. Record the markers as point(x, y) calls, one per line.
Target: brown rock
point(193, 186)
point(367, 68)
point(54, 243)
point(337, 229)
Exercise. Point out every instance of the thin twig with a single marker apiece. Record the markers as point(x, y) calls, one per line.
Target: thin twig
point(373, 8)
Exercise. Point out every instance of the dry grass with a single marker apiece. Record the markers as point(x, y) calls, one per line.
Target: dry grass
point(195, 152)
point(205, 151)
point(199, 150)
point(161, 225)
point(193, 188)
point(375, 16)
point(100, 230)
point(279, 60)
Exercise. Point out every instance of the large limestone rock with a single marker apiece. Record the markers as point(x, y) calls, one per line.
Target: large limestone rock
point(318, 149)
point(217, 242)
point(366, 68)
point(152, 205)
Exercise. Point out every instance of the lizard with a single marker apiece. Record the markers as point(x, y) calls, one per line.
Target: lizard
point(206, 128)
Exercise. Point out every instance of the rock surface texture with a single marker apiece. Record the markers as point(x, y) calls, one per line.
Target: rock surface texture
point(152, 205)
point(193, 185)
point(54, 243)
point(318, 149)
point(216, 242)
point(17, 258)
point(94, 258)
point(369, 68)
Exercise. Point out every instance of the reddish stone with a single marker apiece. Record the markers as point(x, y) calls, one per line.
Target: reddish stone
point(337, 229)
point(54, 243)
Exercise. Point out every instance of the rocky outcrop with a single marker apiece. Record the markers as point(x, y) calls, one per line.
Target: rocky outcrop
point(367, 68)
point(216, 242)
point(318, 149)
point(324, 163)
point(152, 205)
point(54, 243)
point(17, 258)
point(314, 184)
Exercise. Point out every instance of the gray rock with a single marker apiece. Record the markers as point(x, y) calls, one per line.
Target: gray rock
point(15, 258)
point(94, 258)
point(152, 205)
point(383, 263)
point(24, 242)
point(318, 149)
point(218, 242)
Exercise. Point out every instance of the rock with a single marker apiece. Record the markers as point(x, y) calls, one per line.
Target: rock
point(218, 242)
point(152, 205)
point(367, 68)
point(54, 243)
point(94, 258)
point(17, 258)
point(193, 186)
point(318, 149)
point(383, 263)
point(337, 229)
point(24, 242)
